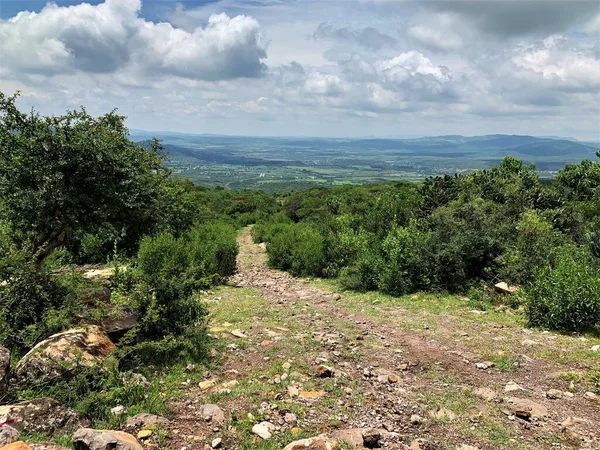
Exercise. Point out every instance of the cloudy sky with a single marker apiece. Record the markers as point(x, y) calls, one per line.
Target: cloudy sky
point(312, 67)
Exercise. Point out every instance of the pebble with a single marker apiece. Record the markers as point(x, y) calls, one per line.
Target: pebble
point(216, 443)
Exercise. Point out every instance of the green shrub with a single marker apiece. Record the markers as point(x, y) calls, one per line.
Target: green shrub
point(404, 268)
point(297, 248)
point(34, 303)
point(567, 296)
point(363, 274)
point(342, 244)
point(534, 247)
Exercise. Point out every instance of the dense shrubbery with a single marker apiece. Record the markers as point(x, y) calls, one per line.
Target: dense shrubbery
point(450, 234)
point(567, 295)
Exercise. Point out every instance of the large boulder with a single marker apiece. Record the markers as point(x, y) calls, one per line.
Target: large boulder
point(62, 352)
point(90, 439)
point(20, 445)
point(316, 443)
point(41, 415)
point(4, 370)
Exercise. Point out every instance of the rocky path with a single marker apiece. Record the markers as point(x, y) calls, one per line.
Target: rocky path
point(301, 360)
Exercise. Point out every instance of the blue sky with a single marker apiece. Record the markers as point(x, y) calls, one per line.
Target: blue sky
point(312, 67)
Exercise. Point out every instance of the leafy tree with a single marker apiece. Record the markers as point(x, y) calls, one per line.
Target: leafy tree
point(63, 175)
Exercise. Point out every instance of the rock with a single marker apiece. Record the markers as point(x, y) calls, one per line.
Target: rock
point(466, 447)
point(486, 394)
point(41, 415)
point(62, 352)
point(90, 439)
point(416, 419)
point(20, 445)
point(4, 370)
point(263, 430)
point(145, 420)
point(511, 386)
point(393, 378)
point(371, 438)
point(119, 322)
point(554, 394)
point(315, 443)
point(286, 366)
point(213, 413)
point(144, 434)
point(290, 418)
point(216, 443)
point(590, 396)
point(206, 385)
point(323, 371)
point(526, 409)
point(238, 334)
point(293, 391)
point(118, 410)
point(352, 436)
point(484, 365)
point(595, 348)
point(528, 342)
point(444, 414)
point(8, 435)
point(504, 288)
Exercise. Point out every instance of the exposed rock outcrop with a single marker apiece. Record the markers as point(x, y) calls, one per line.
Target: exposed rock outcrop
point(62, 352)
point(41, 415)
point(90, 439)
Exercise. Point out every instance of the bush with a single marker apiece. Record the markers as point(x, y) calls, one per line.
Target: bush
point(297, 248)
point(404, 267)
point(567, 296)
point(162, 291)
point(35, 304)
point(363, 274)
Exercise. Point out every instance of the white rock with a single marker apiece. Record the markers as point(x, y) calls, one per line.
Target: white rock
point(118, 410)
point(511, 386)
point(263, 430)
point(595, 348)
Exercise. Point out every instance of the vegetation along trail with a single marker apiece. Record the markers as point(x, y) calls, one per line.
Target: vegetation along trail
point(416, 371)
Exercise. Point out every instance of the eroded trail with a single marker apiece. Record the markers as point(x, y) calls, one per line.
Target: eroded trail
point(420, 377)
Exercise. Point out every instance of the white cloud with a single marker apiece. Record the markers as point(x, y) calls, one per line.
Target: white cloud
point(324, 84)
point(410, 64)
point(556, 61)
point(112, 36)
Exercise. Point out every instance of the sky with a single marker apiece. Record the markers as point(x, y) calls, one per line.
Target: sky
point(342, 68)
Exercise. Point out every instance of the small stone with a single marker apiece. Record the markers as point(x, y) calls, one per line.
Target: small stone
point(144, 434)
point(590, 396)
point(485, 393)
point(371, 438)
point(263, 430)
point(286, 366)
point(293, 391)
point(238, 334)
point(290, 418)
point(206, 385)
point(444, 414)
point(554, 394)
point(323, 371)
point(118, 410)
point(393, 378)
point(213, 413)
point(595, 348)
point(216, 443)
point(511, 386)
point(416, 419)
point(528, 343)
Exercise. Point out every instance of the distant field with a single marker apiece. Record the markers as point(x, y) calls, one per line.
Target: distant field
point(293, 163)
